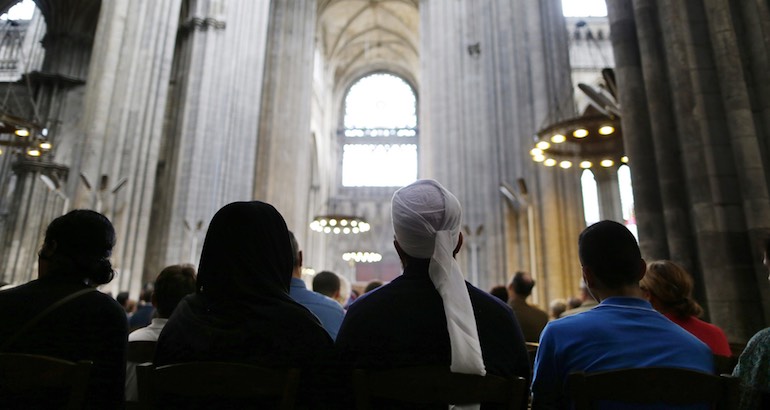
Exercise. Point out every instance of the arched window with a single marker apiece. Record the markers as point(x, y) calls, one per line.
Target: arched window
point(380, 136)
point(590, 197)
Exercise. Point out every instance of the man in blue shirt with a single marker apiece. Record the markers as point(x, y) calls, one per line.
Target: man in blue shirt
point(329, 312)
point(623, 331)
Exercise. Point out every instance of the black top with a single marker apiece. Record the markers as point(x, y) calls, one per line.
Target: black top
point(403, 324)
point(242, 311)
point(90, 327)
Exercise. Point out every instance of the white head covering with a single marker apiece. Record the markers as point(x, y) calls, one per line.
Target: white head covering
point(426, 219)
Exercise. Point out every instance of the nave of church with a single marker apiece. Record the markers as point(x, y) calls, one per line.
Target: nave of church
point(158, 113)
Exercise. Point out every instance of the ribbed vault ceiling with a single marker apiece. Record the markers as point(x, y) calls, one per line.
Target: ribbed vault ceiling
point(359, 36)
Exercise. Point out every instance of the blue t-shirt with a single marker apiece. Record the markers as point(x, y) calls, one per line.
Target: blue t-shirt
point(329, 312)
point(621, 332)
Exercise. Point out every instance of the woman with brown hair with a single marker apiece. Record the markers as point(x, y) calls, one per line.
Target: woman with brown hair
point(668, 287)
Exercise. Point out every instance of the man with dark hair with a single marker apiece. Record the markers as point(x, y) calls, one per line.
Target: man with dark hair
point(327, 283)
point(172, 285)
point(623, 331)
point(531, 319)
point(430, 316)
point(328, 311)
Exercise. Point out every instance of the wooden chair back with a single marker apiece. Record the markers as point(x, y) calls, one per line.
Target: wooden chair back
point(437, 385)
point(28, 376)
point(141, 351)
point(652, 385)
point(213, 381)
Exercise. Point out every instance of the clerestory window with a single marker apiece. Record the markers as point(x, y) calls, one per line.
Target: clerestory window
point(380, 133)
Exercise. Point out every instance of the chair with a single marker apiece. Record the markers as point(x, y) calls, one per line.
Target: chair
point(532, 351)
point(437, 384)
point(725, 364)
point(652, 385)
point(197, 381)
point(30, 377)
point(141, 351)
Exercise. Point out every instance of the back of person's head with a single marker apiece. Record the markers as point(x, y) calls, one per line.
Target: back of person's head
point(522, 284)
point(78, 245)
point(574, 302)
point(421, 210)
point(372, 286)
point(172, 285)
point(610, 251)
point(146, 294)
point(557, 307)
point(500, 292)
point(294, 249)
point(246, 257)
point(327, 283)
point(671, 287)
point(122, 298)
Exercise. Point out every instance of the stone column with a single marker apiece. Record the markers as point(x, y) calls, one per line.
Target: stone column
point(610, 206)
point(213, 113)
point(122, 123)
point(492, 74)
point(699, 89)
point(284, 139)
point(636, 131)
point(33, 205)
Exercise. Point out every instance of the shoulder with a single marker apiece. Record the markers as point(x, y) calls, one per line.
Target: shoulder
point(759, 345)
point(488, 306)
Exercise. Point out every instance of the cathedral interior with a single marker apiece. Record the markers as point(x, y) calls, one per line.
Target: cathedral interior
point(158, 113)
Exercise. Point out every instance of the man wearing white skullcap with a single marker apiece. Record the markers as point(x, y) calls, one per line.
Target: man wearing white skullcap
point(429, 315)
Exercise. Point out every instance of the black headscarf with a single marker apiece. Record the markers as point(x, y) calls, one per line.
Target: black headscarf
point(246, 258)
point(242, 310)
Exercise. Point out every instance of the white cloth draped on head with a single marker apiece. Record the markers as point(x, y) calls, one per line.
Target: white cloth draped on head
point(426, 220)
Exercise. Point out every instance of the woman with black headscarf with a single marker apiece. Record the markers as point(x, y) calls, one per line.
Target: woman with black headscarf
point(242, 311)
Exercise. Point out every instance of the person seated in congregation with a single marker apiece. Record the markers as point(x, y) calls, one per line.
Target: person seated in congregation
point(430, 315)
point(372, 286)
point(241, 310)
point(499, 292)
point(753, 368)
point(145, 310)
point(623, 331)
point(668, 287)
point(531, 319)
point(556, 308)
point(83, 323)
point(328, 284)
point(172, 285)
point(328, 311)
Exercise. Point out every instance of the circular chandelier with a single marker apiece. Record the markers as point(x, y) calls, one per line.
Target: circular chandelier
point(339, 224)
point(587, 141)
point(22, 136)
point(358, 257)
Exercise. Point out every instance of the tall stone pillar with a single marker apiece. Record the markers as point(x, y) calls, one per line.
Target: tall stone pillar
point(701, 99)
point(492, 74)
point(122, 122)
point(209, 149)
point(610, 206)
point(284, 139)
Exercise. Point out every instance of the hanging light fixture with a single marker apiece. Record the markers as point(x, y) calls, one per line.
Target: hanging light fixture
point(339, 224)
point(23, 137)
point(594, 138)
point(361, 257)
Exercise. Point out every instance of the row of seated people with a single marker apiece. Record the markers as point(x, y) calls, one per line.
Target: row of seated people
point(241, 310)
point(666, 285)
